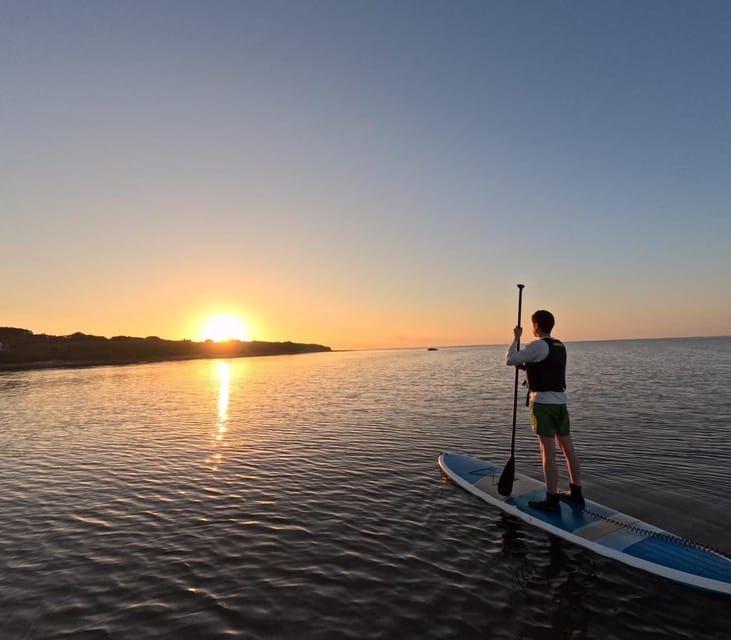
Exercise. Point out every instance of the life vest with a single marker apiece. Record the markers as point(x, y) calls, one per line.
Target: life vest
point(550, 373)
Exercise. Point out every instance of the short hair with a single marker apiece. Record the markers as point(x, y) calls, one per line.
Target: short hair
point(544, 319)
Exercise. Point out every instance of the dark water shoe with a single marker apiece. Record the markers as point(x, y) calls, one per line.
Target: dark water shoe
point(550, 504)
point(573, 496)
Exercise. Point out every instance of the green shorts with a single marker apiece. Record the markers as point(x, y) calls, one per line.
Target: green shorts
point(549, 419)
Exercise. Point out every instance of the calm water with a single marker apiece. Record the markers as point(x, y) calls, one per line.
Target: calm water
point(299, 497)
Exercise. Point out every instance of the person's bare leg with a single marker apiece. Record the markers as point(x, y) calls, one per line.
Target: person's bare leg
point(548, 456)
point(572, 460)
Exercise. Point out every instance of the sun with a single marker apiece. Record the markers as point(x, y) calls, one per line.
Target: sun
point(225, 327)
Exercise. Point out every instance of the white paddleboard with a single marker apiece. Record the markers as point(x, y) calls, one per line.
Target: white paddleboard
point(596, 527)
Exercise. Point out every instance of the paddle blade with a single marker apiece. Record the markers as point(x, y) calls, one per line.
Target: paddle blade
point(505, 484)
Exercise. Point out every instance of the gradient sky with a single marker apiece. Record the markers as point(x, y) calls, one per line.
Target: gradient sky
point(366, 174)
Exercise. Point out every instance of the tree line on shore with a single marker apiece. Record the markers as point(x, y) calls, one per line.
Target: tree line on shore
point(22, 348)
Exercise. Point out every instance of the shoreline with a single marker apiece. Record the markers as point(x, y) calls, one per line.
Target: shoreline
point(87, 364)
point(22, 350)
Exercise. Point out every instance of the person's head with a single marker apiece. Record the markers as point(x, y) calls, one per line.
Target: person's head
point(543, 321)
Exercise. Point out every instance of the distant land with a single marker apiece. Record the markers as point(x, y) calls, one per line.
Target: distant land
point(23, 349)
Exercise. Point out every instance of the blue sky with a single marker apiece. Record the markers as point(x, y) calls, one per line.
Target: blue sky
point(366, 173)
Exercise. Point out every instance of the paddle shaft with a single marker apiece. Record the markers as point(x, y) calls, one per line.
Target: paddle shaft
point(515, 390)
point(505, 484)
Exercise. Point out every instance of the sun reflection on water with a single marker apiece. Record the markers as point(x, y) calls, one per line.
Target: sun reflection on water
point(223, 372)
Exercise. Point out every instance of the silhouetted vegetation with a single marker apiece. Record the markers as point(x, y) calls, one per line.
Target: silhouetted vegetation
point(21, 349)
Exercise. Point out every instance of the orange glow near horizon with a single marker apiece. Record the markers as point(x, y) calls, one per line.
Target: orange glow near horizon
point(220, 328)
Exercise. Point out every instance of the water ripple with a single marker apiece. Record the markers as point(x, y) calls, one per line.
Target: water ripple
point(299, 498)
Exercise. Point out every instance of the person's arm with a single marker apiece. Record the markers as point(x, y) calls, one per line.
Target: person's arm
point(533, 352)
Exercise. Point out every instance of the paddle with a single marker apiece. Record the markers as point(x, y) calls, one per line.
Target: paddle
point(505, 484)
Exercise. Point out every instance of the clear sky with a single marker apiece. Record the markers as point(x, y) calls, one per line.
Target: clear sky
point(366, 173)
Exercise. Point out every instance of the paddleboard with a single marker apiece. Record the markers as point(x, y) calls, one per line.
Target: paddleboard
point(603, 530)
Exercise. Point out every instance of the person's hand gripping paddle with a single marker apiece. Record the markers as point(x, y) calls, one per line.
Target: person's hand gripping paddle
point(505, 484)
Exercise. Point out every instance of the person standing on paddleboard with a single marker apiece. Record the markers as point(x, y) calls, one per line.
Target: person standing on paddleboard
point(544, 361)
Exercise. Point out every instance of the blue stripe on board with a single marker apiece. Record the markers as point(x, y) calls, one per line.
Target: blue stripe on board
point(682, 557)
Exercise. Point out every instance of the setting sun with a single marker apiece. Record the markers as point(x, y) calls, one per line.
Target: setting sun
point(222, 327)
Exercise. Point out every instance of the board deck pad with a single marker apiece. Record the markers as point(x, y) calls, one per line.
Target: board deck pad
point(596, 527)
